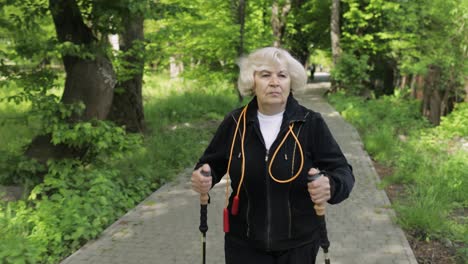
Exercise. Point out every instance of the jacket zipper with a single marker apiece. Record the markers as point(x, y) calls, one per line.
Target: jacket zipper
point(268, 246)
point(292, 172)
point(289, 223)
point(268, 202)
point(248, 212)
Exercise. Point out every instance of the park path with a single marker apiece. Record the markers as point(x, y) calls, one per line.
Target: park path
point(164, 227)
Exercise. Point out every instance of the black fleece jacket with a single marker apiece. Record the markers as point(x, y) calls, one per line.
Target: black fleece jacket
point(274, 216)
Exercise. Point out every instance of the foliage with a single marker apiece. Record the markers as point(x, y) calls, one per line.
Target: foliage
point(454, 126)
point(120, 169)
point(431, 34)
point(76, 199)
point(80, 197)
point(352, 73)
point(321, 57)
point(199, 32)
point(258, 31)
point(26, 32)
point(366, 25)
point(430, 161)
point(307, 28)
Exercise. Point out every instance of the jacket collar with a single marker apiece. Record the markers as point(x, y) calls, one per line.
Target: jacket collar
point(292, 113)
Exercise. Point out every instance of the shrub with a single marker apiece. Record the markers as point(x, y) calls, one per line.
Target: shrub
point(431, 161)
point(78, 198)
point(351, 71)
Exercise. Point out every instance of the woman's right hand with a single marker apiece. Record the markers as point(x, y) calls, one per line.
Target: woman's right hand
point(201, 183)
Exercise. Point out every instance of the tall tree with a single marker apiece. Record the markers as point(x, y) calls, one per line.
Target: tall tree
point(239, 13)
point(87, 80)
point(90, 81)
point(90, 77)
point(127, 106)
point(279, 13)
point(335, 37)
point(335, 30)
point(238, 8)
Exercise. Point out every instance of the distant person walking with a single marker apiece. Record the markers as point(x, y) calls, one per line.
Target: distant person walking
point(312, 71)
point(268, 148)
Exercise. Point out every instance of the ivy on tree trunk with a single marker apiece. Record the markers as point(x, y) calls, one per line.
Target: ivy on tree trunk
point(127, 106)
point(87, 80)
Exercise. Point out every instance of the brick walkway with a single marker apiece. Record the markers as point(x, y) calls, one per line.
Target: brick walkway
point(164, 228)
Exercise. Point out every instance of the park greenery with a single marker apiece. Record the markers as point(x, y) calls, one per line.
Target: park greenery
point(89, 129)
point(431, 162)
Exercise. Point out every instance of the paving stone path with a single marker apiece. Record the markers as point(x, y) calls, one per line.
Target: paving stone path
point(164, 227)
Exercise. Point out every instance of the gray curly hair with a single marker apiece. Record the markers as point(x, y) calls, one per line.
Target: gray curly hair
point(268, 57)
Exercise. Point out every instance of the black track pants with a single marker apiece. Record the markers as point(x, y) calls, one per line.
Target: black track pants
point(236, 253)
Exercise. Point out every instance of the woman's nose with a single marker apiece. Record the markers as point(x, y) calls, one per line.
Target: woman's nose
point(274, 80)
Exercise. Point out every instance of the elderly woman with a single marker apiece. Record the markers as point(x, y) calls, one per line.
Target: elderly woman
point(268, 148)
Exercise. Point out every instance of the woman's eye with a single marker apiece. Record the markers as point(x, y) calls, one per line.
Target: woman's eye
point(282, 76)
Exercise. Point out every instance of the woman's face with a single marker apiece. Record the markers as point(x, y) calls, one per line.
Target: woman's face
point(272, 86)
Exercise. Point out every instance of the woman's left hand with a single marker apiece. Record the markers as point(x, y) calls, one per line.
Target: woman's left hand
point(319, 189)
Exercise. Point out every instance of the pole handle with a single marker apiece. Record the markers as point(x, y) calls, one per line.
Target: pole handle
point(319, 208)
point(204, 200)
point(204, 197)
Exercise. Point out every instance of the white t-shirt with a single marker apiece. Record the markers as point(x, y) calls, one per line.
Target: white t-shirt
point(270, 126)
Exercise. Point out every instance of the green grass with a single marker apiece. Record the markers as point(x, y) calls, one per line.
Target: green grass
point(14, 129)
point(430, 161)
point(76, 202)
point(178, 121)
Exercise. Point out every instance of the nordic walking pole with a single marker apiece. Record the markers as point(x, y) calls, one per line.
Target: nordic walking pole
point(204, 200)
point(320, 211)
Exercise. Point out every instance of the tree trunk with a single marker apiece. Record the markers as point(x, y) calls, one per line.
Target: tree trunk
point(466, 89)
point(403, 82)
point(335, 36)
point(300, 42)
point(173, 67)
point(238, 11)
point(278, 20)
point(417, 87)
point(432, 99)
point(114, 41)
point(335, 31)
point(89, 81)
point(127, 107)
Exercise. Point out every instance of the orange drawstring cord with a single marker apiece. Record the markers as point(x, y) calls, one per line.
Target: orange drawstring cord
point(276, 152)
point(225, 212)
point(235, 202)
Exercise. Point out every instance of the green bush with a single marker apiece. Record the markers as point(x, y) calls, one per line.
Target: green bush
point(383, 123)
point(431, 161)
point(350, 72)
point(78, 198)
